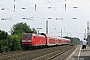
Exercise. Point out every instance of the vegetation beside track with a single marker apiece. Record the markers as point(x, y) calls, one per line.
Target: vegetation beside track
point(12, 41)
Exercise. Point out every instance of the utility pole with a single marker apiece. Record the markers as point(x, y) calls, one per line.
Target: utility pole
point(65, 4)
point(47, 27)
point(85, 33)
point(67, 33)
point(87, 29)
point(61, 33)
point(88, 32)
point(14, 5)
point(35, 7)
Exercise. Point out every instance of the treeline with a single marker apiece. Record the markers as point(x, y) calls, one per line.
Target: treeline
point(74, 40)
point(12, 42)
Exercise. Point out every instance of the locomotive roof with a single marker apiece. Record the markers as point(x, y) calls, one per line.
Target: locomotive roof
point(49, 36)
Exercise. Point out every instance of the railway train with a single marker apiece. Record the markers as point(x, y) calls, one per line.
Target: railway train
point(34, 40)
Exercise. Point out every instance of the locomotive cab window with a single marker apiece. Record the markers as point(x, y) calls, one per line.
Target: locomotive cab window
point(27, 35)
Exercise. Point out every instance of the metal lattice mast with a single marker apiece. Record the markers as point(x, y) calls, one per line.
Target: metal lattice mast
point(87, 29)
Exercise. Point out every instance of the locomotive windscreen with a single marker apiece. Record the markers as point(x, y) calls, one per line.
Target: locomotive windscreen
point(27, 35)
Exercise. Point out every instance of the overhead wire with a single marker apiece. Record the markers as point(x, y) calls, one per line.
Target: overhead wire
point(37, 22)
point(55, 10)
point(66, 11)
point(71, 23)
point(68, 16)
point(60, 16)
point(12, 10)
point(38, 12)
point(34, 11)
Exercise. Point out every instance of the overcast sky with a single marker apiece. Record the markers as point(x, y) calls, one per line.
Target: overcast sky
point(70, 27)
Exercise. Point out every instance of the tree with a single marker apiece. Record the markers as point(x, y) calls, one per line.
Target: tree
point(20, 28)
point(34, 30)
point(3, 35)
point(16, 35)
point(73, 40)
point(14, 42)
point(3, 41)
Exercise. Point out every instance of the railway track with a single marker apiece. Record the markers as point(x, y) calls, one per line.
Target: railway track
point(40, 54)
point(63, 55)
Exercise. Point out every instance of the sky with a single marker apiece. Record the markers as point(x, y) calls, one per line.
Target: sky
point(37, 17)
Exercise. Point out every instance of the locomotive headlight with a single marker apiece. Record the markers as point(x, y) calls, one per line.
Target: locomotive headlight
point(29, 40)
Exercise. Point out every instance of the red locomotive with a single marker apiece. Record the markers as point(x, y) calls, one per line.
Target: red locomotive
point(31, 39)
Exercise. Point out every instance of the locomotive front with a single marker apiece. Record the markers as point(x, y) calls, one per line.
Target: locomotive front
point(27, 39)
